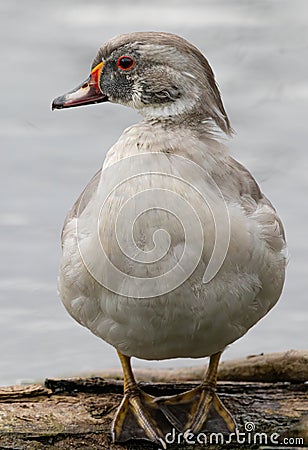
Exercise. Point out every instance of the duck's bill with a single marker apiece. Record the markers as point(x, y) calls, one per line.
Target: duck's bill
point(86, 93)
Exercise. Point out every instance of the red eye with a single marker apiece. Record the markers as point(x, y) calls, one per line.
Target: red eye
point(125, 62)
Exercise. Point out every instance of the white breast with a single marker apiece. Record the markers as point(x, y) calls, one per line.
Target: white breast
point(138, 250)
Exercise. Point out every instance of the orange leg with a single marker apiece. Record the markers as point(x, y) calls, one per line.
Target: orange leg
point(138, 416)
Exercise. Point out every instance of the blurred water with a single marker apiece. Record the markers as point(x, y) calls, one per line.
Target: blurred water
point(257, 50)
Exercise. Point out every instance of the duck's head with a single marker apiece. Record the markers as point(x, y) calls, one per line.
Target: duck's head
point(159, 74)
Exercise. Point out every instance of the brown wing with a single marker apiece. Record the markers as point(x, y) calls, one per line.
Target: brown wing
point(254, 202)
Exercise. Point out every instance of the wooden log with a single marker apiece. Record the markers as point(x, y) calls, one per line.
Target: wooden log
point(76, 413)
point(291, 365)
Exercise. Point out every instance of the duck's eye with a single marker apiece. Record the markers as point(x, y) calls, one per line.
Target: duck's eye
point(125, 62)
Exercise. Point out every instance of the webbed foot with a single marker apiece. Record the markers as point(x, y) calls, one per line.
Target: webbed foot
point(198, 410)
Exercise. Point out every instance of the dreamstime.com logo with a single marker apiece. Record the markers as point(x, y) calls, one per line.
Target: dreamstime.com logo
point(248, 437)
point(157, 220)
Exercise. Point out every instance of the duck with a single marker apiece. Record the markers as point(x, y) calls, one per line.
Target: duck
point(171, 250)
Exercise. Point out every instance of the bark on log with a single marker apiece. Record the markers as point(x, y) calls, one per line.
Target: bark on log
point(291, 365)
point(77, 413)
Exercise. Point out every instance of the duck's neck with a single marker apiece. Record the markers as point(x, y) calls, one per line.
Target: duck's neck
point(173, 110)
point(194, 119)
point(181, 137)
point(193, 112)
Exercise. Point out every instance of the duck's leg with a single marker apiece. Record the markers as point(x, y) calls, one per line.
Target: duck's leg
point(199, 409)
point(138, 416)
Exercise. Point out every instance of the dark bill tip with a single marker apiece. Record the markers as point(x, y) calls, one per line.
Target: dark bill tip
point(58, 103)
